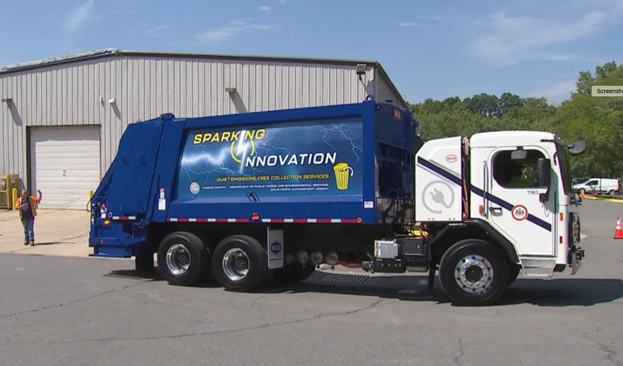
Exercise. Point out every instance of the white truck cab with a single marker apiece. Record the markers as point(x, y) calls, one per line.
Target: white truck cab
point(507, 190)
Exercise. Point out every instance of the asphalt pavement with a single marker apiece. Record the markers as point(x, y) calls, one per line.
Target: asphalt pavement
point(84, 311)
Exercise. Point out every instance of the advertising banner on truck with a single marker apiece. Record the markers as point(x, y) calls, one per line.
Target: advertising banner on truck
point(273, 163)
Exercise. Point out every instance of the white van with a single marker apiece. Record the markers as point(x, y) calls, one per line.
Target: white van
point(599, 186)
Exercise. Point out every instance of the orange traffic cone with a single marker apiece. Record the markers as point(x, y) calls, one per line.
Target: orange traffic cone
point(618, 234)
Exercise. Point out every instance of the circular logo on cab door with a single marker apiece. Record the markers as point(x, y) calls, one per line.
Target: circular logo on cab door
point(194, 188)
point(519, 212)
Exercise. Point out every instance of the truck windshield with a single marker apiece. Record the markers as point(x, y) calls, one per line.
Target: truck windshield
point(565, 167)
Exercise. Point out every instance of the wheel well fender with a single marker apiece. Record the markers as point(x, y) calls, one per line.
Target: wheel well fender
point(472, 229)
point(499, 239)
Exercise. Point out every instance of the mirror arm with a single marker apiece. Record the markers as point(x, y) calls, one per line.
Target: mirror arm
point(544, 196)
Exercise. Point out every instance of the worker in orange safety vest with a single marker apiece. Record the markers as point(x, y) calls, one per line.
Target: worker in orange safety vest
point(27, 206)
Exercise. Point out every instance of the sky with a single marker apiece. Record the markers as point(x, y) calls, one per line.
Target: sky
point(430, 50)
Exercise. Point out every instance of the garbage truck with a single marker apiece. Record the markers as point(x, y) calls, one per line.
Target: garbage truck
point(247, 198)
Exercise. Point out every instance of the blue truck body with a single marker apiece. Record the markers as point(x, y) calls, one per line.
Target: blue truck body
point(310, 166)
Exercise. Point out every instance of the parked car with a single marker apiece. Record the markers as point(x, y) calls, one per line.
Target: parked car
point(598, 186)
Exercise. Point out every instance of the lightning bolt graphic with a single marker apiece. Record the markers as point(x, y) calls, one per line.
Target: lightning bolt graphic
point(345, 132)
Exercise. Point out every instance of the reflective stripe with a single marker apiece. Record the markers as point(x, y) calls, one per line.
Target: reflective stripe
point(124, 217)
point(33, 206)
point(302, 221)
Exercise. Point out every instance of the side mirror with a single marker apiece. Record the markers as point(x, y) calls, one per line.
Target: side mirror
point(577, 147)
point(545, 171)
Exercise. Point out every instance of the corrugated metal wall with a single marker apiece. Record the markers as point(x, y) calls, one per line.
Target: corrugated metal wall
point(144, 88)
point(385, 94)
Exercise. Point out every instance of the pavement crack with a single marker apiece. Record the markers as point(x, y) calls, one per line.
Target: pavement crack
point(18, 250)
point(596, 330)
point(67, 303)
point(74, 237)
point(255, 300)
point(218, 332)
point(461, 351)
point(154, 296)
point(611, 355)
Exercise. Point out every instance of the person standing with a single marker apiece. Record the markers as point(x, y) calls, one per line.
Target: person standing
point(27, 206)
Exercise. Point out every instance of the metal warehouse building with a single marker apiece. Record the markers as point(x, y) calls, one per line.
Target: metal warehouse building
point(61, 118)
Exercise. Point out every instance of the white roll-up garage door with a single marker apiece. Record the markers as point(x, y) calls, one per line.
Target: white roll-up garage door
point(65, 164)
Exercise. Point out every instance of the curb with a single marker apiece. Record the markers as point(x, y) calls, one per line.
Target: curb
point(617, 200)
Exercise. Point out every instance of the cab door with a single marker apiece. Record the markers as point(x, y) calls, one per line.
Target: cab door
point(514, 203)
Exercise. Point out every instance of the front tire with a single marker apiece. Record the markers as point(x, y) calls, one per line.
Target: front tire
point(240, 263)
point(473, 272)
point(183, 259)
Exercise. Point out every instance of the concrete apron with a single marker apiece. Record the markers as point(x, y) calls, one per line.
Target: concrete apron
point(57, 233)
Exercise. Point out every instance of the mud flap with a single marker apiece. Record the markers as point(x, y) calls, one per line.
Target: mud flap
point(576, 260)
point(275, 248)
point(576, 253)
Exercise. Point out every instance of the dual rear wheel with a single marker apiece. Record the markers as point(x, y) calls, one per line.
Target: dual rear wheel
point(238, 263)
point(183, 259)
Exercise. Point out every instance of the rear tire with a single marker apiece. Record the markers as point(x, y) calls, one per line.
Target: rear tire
point(473, 272)
point(183, 259)
point(293, 273)
point(240, 263)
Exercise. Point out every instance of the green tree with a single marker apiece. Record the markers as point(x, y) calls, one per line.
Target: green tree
point(597, 120)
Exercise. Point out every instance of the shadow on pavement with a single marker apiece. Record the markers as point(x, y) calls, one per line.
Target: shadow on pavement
point(558, 292)
point(565, 291)
point(53, 243)
point(554, 292)
point(155, 277)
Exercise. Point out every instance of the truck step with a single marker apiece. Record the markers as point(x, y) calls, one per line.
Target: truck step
point(537, 272)
point(538, 267)
point(345, 278)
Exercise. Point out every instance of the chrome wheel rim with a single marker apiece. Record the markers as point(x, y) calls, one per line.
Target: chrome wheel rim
point(236, 264)
point(178, 259)
point(474, 274)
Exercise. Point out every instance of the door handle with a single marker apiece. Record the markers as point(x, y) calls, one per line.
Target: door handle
point(496, 209)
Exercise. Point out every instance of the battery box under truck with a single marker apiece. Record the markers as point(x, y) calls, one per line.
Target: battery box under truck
point(251, 197)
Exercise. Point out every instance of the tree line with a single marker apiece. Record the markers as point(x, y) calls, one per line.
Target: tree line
point(596, 120)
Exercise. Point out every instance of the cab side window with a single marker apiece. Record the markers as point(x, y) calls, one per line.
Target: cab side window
point(509, 173)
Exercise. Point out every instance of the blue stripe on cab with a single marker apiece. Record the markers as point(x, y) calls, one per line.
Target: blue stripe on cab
point(497, 200)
